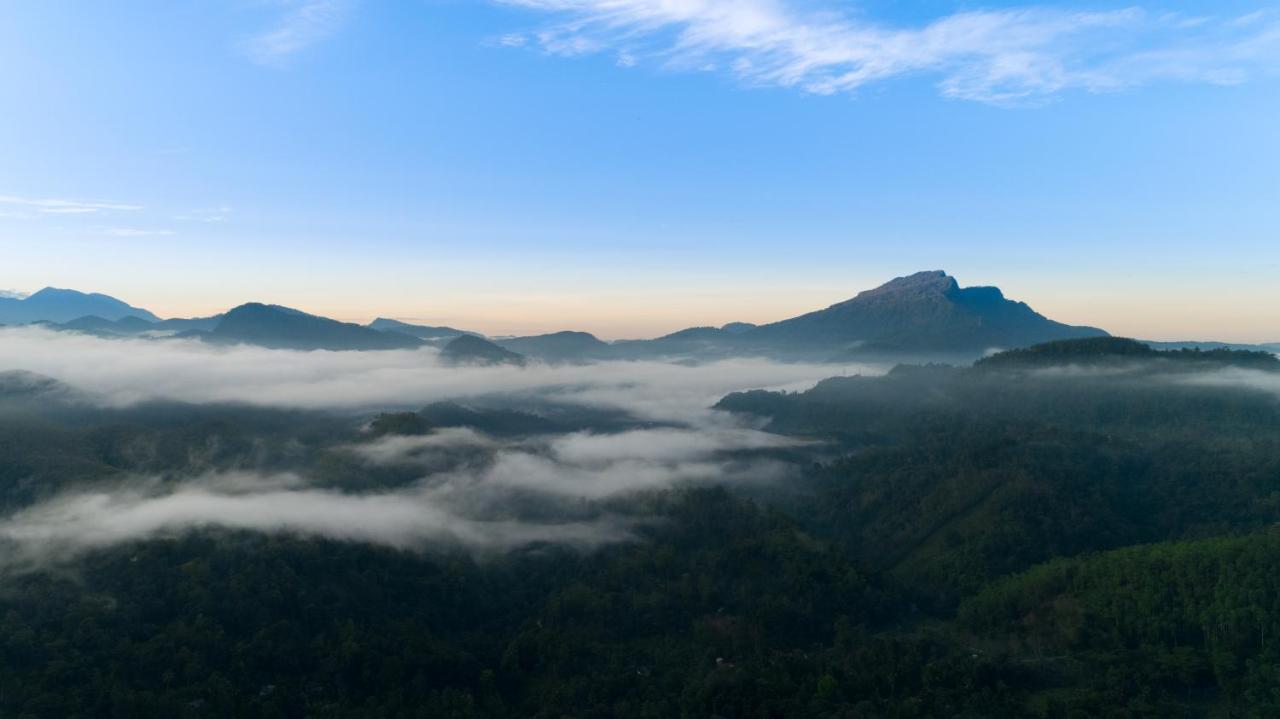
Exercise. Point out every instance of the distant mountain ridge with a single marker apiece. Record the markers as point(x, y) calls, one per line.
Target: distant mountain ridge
point(1202, 345)
point(286, 328)
point(925, 315)
point(1100, 351)
point(559, 346)
point(425, 332)
point(52, 304)
point(472, 350)
point(94, 324)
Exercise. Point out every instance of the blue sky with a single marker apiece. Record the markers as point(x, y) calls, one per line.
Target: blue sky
point(630, 167)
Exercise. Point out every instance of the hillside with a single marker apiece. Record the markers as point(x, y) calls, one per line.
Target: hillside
point(926, 311)
point(559, 346)
point(924, 316)
point(59, 305)
point(471, 350)
point(425, 332)
point(283, 328)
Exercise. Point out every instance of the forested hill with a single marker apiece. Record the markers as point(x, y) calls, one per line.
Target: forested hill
point(953, 478)
point(1098, 351)
point(1095, 383)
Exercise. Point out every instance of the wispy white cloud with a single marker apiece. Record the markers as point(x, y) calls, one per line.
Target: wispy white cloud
point(58, 206)
point(206, 215)
point(70, 525)
point(133, 232)
point(475, 504)
point(998, 56)
point(397, 449)
point(303, 24)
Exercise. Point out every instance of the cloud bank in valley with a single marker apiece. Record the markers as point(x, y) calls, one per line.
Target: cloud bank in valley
point(476, 506)
point(1238, 378)
point(66, 527)
point(472, 489)
point(123, 371)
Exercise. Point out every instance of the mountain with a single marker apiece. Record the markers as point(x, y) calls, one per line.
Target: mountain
point(133, 325)
point(700, 342)
point(57, 305)
point(1209, 345)
point(198, 327)
point(469, 349)
point(696, 334)
point(96, 325)
point(425, 332)
point(559, 346)
point(92, 324)
point(284, 328)
point(491, 421)
point(1120, 351)
point(23, 384)
point(199, 324)
point(927, 312)
point(923, 315)
point(705, 334)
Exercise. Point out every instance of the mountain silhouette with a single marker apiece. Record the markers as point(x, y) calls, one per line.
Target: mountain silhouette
point(285, 328)
point(426, 332)
point(926, 314)
point(559, 346)
point(58, 305)
point(472, 350)
point(926, 311)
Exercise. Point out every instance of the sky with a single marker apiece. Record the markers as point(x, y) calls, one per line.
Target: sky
point(632, 167)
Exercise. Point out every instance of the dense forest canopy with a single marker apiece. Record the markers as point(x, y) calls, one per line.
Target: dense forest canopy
point(1080, 529)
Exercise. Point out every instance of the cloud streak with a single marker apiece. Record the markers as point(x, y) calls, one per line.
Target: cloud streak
point(1008, 56)
point(134, 232)
point(69, 526)
point(397, 449)
point(476, 506)
point(305, 23)
point(1236, 378)
point(591, 465)
point(56, 206)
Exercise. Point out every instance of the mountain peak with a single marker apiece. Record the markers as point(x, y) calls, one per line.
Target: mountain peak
point(426, 332)
point(469, 349)
point(919, 283)
point(264, 308)
point(55, 304)
point(54, 292)
point(286, 328)
point(925, 311)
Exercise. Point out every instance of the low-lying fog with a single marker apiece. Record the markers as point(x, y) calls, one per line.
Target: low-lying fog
point(481, 502)
point(122, 371)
